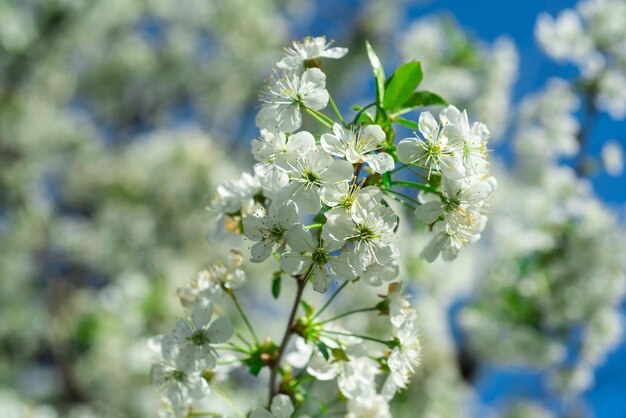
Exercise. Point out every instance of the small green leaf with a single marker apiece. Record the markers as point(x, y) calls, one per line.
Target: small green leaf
point(402, 83)
point(276, 281)
point(379, 73)
point(255, 365)
point(308, 309)
point(420, 99)
point(406, 123)
point(323, 350)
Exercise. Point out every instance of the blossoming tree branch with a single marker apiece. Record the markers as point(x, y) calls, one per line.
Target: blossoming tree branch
point(320, 206)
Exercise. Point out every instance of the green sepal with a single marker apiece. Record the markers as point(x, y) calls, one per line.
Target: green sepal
point(308, 309)
point(386, 180)
point(323, 349)
point(276, 282)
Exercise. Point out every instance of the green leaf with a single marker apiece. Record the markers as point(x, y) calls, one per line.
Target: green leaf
point(379, 73)
point(406, 123)
point(308, 309)
point(323, 350)
point(276, 281)
point(255, 365)
point(402, 83)
point(420, 99)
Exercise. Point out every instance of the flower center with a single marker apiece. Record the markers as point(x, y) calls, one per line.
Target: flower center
point(310, 177)
point(198, 338)
point(320, 257)
point(275, 233)
point(178, 375)
point(365, 233)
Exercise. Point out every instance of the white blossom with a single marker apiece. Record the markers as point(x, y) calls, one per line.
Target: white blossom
point(306, 252)
point(268, 227)
point(368, 407)
point(310, 171)
point(268, 147)
point(359, 146)
point(310, 49)
point(370, 233)
point(197, 334)
point(232, 199)
point(285, 95)
point(613, 158)
point(281, 407)
point(176, 375)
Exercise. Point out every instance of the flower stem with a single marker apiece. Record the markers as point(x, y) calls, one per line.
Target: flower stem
point(243, 315)
point(402, 195)
point(330, 299)
point(301, 280)
point(334, 318)
point(415, 185)
point(320, 117)
point(402, 166)
point(360, 112)
point(313, 226)
point(402, 202)
point(363, 337)
point(337, 112)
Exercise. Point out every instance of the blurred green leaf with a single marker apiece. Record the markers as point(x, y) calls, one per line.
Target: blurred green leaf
point(379, 73)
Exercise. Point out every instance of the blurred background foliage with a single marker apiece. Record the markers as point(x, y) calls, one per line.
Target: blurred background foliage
point(119, 118)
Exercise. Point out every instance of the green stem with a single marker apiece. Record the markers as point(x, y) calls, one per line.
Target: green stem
point(360, 112)
point(402, 202)
point(410, 199)
point(313, 226)
point(330, 299)
point(243, 315)
point(233, 349)
point(416, 186)
point(237, 347)
point(363, 337)
point(334, 318)
point(337, 112)
point(321, 118)
point(409, 167)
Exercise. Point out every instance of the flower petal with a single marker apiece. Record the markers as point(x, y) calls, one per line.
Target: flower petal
point(220, 330)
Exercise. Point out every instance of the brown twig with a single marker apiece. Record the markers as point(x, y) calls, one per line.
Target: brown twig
point(301, 280)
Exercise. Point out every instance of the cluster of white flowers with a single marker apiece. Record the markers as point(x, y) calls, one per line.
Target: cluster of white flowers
point(591, 36)
point(318, 204)
point(458, 153)
point(547, 129)
point(552, 274)
point(355, 365)
point(189, 351)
